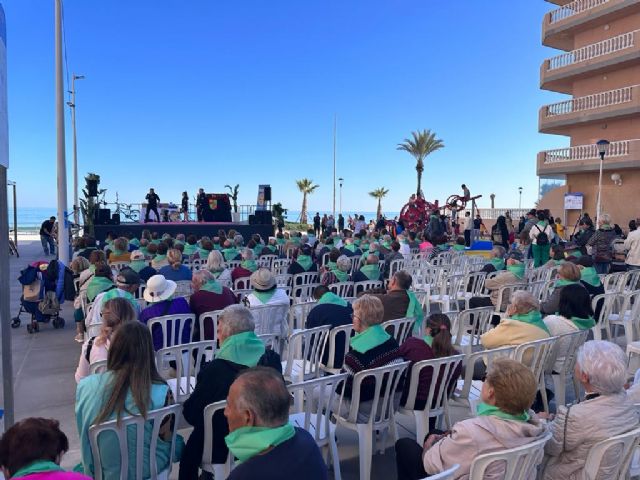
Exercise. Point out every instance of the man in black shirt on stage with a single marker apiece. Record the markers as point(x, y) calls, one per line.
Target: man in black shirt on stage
point(201, 202)
point(152, 205)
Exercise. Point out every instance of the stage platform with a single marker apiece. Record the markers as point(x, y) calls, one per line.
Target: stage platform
point(188, 228)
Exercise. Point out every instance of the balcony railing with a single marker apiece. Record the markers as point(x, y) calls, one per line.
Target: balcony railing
point(585, 152)
point(590, 102)
point(589, 52)
point(574, 8)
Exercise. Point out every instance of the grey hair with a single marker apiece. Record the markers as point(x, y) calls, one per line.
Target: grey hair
point(215, 261)
point(343, 263)
point(180, 237)
point(238, 240)
point(524, 301)
point(236, 319)
point(263, 392)
point(605, 364)
point(605, 218)
point(371, 310)
point(498, 251)
point(247, 254)
point(386, 238)
point(373, 247)
point(201, 277)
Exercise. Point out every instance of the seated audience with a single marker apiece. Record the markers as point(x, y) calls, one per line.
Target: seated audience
point(350, 249)
point(90, 246)
point(229, 251)
point(160, 260)
point(394, 254)
point(131, 385)
point(370, 271)
point(503, 421)
point(217, 267)
point(239, 350)
point(606, 411)
point(175, 271)
point(513, 274)
point(208, 295)
point(206, 247)
point(302, 261)
point(190, 247)
point(101, 282)
point(33, 448)
point(338, 273)
point(265, 290)
point(399, 301)
point(114, 312)
point(247, 267)
point(141, 266)
point(120, 251)
point(589, 277)
point(496, 261)
point(557, 255)
point(568, 274)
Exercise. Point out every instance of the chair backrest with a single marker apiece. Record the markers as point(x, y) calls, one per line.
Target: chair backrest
point(209, 321)
point(183, 287)
point(197, 264)
point(607, 303)
point(518, 463)
point(486, 356)
point(303, 293)
point(99, 366)
point(396, 266)
point(400, 328)
point(271, 319)
point(117, 266)
point(173, 327)
point(366, 285)
point(280, 265)
point(442, 370)
point(271, 341)
point(304, 278)
point(537, 289)
point(307, 347)
point(449, 474)
point(611, 458)
point(298, 313)
point(145, 433)
point(536, 355)
point(188, 359)
point(504, 294)
point(234, 264)
point(342, 289)
point(614, 282)
point(242, 283)
point(335, 357)
point(631, 280)
point(471, 324)
point(385, 382)
point(207, 451)
point(283, 279)
point(567, 346)
point(475, 283)
point(266, 261)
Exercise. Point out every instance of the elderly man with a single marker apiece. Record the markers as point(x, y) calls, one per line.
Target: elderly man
point(208, 295)
point(394, 254)
point(399, 301)
point(247, 267)
point(513, 274)
point(350, 249)
point(267, 445)
point(240, 349)
point(496, 262)
point(229, 251)
point(369, 271)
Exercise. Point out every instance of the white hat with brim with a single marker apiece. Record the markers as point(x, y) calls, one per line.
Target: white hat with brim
point(262, 279)
point(159, 289)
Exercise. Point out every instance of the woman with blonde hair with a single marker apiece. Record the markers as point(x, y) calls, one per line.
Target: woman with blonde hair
point(217, 267)
point(175, 271)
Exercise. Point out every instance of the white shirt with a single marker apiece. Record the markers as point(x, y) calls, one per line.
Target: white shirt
point(632, 244)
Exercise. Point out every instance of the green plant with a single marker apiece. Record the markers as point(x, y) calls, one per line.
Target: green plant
point(379, 193)
point(233, 195)
point(422, 144)
point(89, 204)
point(278, 211)
point(307, 187)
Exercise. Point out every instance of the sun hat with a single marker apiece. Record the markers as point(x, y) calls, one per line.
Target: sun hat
point(159, 289)
point(136, 255)
point(128, 276)
point(262, 279)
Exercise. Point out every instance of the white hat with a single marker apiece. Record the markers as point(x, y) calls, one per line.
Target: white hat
point(159, 289)
point(263, 279)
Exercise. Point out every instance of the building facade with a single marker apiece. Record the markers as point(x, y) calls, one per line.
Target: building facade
point(599, 68)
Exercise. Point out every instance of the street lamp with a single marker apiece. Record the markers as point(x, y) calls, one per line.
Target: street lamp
point(15, 212)
point(603, 146)
point(341, 180)
point(72, 105)
point(520, 200)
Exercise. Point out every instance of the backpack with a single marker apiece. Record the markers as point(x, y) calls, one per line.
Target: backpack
point(542, 238)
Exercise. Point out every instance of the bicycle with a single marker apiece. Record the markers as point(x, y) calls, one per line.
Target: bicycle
point(127, 210)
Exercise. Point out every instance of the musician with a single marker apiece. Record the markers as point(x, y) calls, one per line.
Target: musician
point(185, 206)
point(201, 202)
point(152, 205)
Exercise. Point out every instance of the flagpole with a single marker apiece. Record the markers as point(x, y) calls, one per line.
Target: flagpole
point(63, 224)
point(335, 128)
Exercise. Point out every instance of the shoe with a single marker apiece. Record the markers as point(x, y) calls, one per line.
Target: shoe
point(79, 338)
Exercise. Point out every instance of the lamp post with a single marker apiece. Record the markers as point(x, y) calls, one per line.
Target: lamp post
point(341, 180)
point(15, 212)
point(603, 146)
point(520, 199)
point(72, 105)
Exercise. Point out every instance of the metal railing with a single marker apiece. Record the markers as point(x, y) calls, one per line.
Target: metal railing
point(590, 102)
point(586, 152)
point(574, 8)
point(589, 52)
point(173, 213)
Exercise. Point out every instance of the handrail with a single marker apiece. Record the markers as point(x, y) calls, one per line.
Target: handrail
point(590, 102)
point(586, 152)
point(588, 52)
point(574, 8)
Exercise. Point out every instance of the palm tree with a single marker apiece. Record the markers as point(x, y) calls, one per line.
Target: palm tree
point(379, 193)
point(233, 195)
point(423, 143)
point(307, 187)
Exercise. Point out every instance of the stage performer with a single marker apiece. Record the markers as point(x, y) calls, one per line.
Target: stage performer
point(185, 206)
point(152, 205)
point(201, 203)
point(466, 194)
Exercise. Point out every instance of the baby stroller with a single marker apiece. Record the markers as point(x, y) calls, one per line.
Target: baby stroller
point(42, 294)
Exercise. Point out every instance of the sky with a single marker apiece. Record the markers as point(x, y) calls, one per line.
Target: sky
point(201, 93)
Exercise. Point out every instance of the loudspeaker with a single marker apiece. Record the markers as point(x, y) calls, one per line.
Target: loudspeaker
point(103, 216)
point(115, 219)
point(252, 220)
point(267, 193)
point(92, 188)
point(263, 217)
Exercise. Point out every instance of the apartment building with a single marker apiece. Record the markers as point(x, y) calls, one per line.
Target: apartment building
point(599, 68)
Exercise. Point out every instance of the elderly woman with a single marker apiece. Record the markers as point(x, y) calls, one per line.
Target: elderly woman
point(302, 261)
point(101, 282)
point(175, 271)
point(601, 369)
point(217, 268)
point(120, 251)
point(339, 273)
point(229, 251)
point(496, 261)
point(503, 421)
point(160, 259)
point(247, 267)
point(601, 243)
point(208, 295)
point(568, 274)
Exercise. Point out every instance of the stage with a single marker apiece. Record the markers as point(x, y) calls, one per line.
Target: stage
point(188, 228)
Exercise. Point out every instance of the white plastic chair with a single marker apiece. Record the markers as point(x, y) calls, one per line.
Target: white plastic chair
point(504, 294)
point(266, 261)
point(219, 470)
point(304, 278)
point(298, 313)
point(611, 458)
point(272, 319)
point(614, 282)
point(172, 327)
point(188, 359)
point(280, 265)
point(449, 474)
point(365, 285)
point(303, 293)
point(400, 328)
point(562, 368)
point(628, 316)
point(608, 301)
point(385, 382)
point(470, 325)
point(344, 332)
point(241, 283)
point(183, 288)
point(313, 415)
point(518, 463)
point(283, 279)
point(211, 318)
point(146, 433)
point(442, 370)
point(537, 356)
point(118, 266)
point(342, 289)
point(631, 281)
point(304, 353)
point(396, 266)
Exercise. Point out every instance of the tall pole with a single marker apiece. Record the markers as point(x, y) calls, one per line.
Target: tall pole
point(335, 128)
point(599, 190)
point(63, 226)
point(72, 105)
point(341, 180)
point(15, 214)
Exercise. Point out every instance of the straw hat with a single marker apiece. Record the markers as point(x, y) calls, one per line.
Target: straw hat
point(159, 289)
point(263, 279)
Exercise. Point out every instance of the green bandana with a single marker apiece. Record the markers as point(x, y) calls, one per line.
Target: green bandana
point(372, 272)
point(144, 250)
point(305, 261)
point(96, 286)
point(517, 269)
point(203, 254)
point(138, 265)
point(559, 262)
point(331, 265)
point(534, 317)
point(247, 442)
point(485, 410)
point(272, 248)
point(264, 297)
point(334, 299)
point(414, 309)
point(189, 250)
point(39, 466)
point(458, 248)
point(590, 276)
point(250, 265)
point(229, 253)
point(280, 241)
point(351, 247)
point(498, 263)
point(159, 258)
point(156, 241)
point(296, 240)
point(583, 323)
point(242, 348)
point(356, 242)
point(428, 339)
point(135, 242)
point(216, 273)
point(563, 283)
point(340, 275)
point(370, 338)
point(118, 253)
point(542, 223)
point(387, 245)
point(212, 286)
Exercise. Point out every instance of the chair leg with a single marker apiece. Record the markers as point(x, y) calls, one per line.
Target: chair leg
point(422, 425)
point(365, 447)
point(559, 388)
point(543, 394)
point(335, 458)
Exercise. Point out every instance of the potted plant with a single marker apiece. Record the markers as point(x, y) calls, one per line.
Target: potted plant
point(233, 196)
point(90, 203)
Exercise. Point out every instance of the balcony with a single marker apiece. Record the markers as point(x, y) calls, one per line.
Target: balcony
point(560, 25)
point(585, 158)
point(621, 102)
point(558, 73)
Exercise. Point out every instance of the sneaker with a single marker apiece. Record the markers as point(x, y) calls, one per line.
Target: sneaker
point(79, 338)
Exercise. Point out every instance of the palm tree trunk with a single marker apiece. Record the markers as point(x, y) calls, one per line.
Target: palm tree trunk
point(419, 181)
point(379, 212)
point(303, 211)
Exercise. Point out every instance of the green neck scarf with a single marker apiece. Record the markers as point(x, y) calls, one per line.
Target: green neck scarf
point(534, 317)
point(333, 299)
point(351, 247)
point(96, 286)
point(484, 410)
point(138, 265)
point(264, 297)
point(250, 265)
point(305, 261)
point(296, 240)
point(458, 248)
point(517, 269)
point(331, 265)
point(229, 253)
point(606, 226)
point(561, 282)
point(590, 276)
point(247, 442)
point(542, 223)
point(340, 275)
point(583, 323)
point(498, 263)
point(372, 272)
point(272, 248)
point(159, 258)
point(39, 466)
point(414, 309)
point(189, 249)
point(92, 268)
point(144, 250)
point(203, 254)
point(242, 348)
point(135, 241)
point(118, 253)
point(370, 338)
point(387, 245)
point(212, 286)
point(157, 241)
point(428, 339)
point(280, 241)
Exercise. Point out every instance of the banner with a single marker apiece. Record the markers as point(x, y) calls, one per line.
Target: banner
point(573, 201)
point(4, 125)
